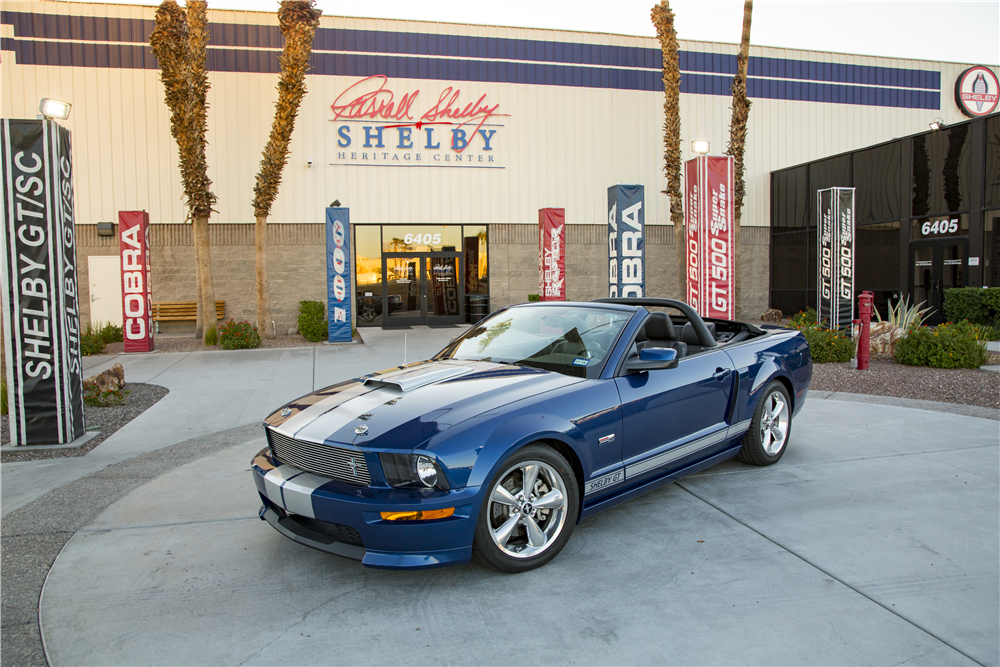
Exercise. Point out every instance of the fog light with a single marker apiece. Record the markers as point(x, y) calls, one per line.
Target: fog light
point(418, 516)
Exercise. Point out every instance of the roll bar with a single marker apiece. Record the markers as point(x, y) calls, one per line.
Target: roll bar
point(704, 335)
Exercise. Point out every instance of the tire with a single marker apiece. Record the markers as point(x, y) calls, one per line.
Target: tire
point(503, 538)
point(770, 428)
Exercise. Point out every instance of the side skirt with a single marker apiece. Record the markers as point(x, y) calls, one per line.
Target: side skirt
point(646, 487)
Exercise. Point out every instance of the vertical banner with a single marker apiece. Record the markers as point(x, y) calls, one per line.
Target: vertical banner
point(709, 217)
point(338, 274)
point(552, 253)
point(41, 305)
point(626, 241)
point(835, 257)
point(137, 294)
point(692, 218)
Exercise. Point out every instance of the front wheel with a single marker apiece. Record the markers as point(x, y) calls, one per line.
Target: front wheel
point(529, 512)
point(767, 438)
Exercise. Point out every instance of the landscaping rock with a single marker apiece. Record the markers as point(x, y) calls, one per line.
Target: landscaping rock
point(771, 315)
point(883, 337)
point(112, 379)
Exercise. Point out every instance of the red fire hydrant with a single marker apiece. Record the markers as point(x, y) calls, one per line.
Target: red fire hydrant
point(865, 303)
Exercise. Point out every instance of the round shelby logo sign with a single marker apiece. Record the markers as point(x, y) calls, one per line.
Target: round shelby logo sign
point(976, 91)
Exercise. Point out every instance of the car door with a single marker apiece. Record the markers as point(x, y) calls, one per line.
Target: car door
point(676, 416)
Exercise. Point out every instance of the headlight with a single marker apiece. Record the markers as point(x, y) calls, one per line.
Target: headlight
point(413, 471)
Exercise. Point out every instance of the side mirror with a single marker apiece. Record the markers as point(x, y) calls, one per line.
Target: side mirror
point(652, 359)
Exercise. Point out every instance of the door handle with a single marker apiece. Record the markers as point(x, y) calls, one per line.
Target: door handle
point(721, 373)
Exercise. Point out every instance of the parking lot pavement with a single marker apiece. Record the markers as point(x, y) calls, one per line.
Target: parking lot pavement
point(214, 391)
point(873, 541)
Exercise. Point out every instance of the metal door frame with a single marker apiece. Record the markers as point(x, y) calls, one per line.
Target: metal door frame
point(937, 271)
point(423, 262)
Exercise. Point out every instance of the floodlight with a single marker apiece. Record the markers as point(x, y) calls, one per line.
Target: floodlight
point(700, 146)
point(54, 108)
point(937, 124)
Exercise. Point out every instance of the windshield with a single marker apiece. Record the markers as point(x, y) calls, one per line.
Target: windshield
point(565, 339)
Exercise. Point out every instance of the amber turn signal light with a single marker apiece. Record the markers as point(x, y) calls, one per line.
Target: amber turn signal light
point(418, 516)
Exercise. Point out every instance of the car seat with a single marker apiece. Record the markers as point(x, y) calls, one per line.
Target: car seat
point(690, 336)
point(659, 331)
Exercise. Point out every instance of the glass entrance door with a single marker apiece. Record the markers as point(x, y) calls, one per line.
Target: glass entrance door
point(421, 288)
point(936, 266)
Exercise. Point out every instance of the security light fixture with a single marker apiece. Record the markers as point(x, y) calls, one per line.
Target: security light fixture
point(50, 108)
point(701, 147)
point(335, 203)
point(105, 229)
point(937, 124)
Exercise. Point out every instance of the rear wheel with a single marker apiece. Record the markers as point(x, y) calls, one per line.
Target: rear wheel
point(767, 438)
point(530, 510)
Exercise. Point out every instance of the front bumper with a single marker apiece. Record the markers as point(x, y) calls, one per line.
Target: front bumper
point(346, 520)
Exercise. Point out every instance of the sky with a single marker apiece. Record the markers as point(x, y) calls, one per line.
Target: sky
point(964, 32)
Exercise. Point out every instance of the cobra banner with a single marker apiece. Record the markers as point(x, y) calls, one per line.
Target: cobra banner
point(552, 253)
point(338, 274)
point(835, 257)
point(708, 218)
point(137, 294)
point(41, 316)
point(626, 241)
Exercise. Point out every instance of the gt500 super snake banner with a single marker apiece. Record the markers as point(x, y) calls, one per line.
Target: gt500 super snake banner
point(708, 218)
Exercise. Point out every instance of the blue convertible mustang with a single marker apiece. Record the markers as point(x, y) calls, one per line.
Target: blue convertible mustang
point(536, 417)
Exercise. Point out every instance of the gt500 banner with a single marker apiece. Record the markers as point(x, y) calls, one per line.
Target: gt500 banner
point(708, 218)
point(835, 257)
point(41, 316)
point(626, 241)
point(338, 274)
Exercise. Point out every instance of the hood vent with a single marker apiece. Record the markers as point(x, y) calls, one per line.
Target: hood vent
point(418, 377)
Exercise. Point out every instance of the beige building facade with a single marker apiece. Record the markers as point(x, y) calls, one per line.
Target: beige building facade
point(426, 129)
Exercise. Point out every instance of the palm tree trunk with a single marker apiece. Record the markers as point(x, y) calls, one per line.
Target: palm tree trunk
point(737, 148)
point(260, 260)
point(203, 258)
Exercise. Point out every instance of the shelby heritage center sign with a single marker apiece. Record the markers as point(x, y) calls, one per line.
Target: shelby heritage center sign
point(835, 257)
point(41, 317)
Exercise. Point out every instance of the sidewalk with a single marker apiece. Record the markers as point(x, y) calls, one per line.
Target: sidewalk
point(215, 391)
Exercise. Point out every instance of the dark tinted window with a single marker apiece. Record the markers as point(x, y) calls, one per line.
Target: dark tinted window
point(876, 182)
point(993, 161)
point(876, 257)
point(790, 198)
point(788, 266)
point(832, 173)
point(942, 170)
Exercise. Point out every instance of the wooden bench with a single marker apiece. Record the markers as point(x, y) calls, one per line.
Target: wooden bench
point(180, 311)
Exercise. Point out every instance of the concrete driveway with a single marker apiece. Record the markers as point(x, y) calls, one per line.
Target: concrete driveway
point(873, 541)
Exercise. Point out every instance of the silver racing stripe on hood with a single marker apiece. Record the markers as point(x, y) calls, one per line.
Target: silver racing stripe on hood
point(309, 415)
point(329, 422)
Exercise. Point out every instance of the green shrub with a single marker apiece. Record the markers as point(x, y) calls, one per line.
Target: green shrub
point(312, 321)
point(949, 345)
point(975, 304)
point(238, 336)
point(534, 297)
point(91, 342)
point(803, 318)
point(212, 336)
point(828, 345)
point(110, 333)
point(104, 399)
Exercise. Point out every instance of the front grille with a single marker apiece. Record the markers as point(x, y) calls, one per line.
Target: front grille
point(326, 460)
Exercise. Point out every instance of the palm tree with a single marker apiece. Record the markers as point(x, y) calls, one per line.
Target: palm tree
point(298, 20)
point(663, 19)
point(737, 144)
point(179, 43)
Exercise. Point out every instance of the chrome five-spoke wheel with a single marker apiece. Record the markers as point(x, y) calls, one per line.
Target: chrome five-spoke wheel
point(530, 510)
point(770, 428)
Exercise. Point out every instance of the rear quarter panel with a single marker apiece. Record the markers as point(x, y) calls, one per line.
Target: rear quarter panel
point(782, 354)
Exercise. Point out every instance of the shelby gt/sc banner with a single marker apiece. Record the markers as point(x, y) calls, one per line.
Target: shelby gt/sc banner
point(835, 257)
point(708, 218)
point(338, 274)
point(552, 253)
point(626, 241)
point(41, 318)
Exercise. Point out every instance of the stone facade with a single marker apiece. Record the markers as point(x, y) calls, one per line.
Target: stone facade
point(297, 266)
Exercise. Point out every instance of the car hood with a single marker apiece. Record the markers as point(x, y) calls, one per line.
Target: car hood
point(405, 406)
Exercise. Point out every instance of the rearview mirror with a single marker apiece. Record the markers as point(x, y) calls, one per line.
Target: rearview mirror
point(652, 359)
